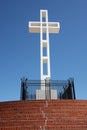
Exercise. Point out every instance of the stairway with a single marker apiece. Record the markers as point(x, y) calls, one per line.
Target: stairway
point(43, 115)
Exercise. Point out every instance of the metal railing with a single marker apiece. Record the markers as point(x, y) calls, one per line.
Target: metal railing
point(65, 88)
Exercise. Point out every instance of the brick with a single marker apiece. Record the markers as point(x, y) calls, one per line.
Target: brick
point(42, 114)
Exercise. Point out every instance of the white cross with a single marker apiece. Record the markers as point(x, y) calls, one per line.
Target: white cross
point(44, 28)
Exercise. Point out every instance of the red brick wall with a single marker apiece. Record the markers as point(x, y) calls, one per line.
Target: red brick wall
point(44, 115)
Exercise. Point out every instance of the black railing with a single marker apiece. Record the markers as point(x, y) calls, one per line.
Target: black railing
point(65, 88)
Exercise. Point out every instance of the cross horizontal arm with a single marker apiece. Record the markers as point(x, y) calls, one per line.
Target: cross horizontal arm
point(34, 27)
point(53, 27)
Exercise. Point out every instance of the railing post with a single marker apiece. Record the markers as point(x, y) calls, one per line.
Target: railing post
point(23, 91)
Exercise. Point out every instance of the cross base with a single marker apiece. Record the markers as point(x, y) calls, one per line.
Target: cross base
point(41, 94)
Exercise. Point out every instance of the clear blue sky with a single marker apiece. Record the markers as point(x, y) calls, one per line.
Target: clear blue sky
point(19, 49)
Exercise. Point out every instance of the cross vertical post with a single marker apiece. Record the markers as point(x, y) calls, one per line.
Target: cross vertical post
point(44, 39)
